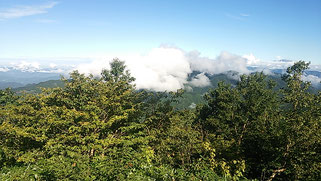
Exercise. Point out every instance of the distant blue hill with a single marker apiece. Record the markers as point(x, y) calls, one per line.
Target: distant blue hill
point(27, 77)
point(32, 82)
point(4, 84)
point(17, 78)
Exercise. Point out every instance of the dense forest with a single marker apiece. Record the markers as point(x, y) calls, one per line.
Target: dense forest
point(102, 128)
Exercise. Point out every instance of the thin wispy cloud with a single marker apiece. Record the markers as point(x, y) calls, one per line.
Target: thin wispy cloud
point(240, 17)
point(22, 11)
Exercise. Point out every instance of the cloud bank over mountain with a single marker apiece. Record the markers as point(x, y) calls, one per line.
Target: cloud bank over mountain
point(316, 81)
point(27, 66)
point(200, 80)
point(167, 68)
point(224, 62)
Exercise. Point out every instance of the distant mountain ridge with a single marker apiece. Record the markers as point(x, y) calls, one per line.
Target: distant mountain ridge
point(29, 81)
point(27, 77)
point(36, 88)
point(4, 84)
point(192, 96)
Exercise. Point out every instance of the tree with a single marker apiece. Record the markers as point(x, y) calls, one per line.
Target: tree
point(102, 128)
point(301, 127)
point(87, 130)
point(7, 96)
point(242, 123)
point(117, 73)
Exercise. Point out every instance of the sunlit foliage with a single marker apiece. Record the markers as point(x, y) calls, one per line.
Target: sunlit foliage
point(102, 128)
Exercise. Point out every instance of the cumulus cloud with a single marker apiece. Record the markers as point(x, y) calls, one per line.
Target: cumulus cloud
point(188, 88)
point(26, 66)
point(161, 69)
point(93, 67)
point(52, 65)
point(200, 80)
point(4, 69)
point(315, 67)
point(251, 59)
point(224, 62)
point(316, 81)
point(233, 75)
point(21, 11)
point(167, 68)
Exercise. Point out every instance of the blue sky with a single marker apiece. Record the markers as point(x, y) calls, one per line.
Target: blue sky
point(268, 29)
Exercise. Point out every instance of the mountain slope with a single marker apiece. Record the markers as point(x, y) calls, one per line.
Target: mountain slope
point(36, 88)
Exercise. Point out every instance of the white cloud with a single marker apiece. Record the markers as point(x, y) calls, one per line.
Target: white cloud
point(4, 69)
point(224, 62)
point(315, 67)
point(200, 80)
point(251, 59)
point(188, 88)
point(21, 11)
point(313, 79)
point(167, 68)
point(161, 69)
point(240, 17)
point(278, 57)
point(233, 75)
point(93, 67)
point(26, 66)
point(52, 65)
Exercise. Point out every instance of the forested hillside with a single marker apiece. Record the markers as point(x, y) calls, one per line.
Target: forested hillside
point(191, 96)
point(104, 129)
point(36, 88)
